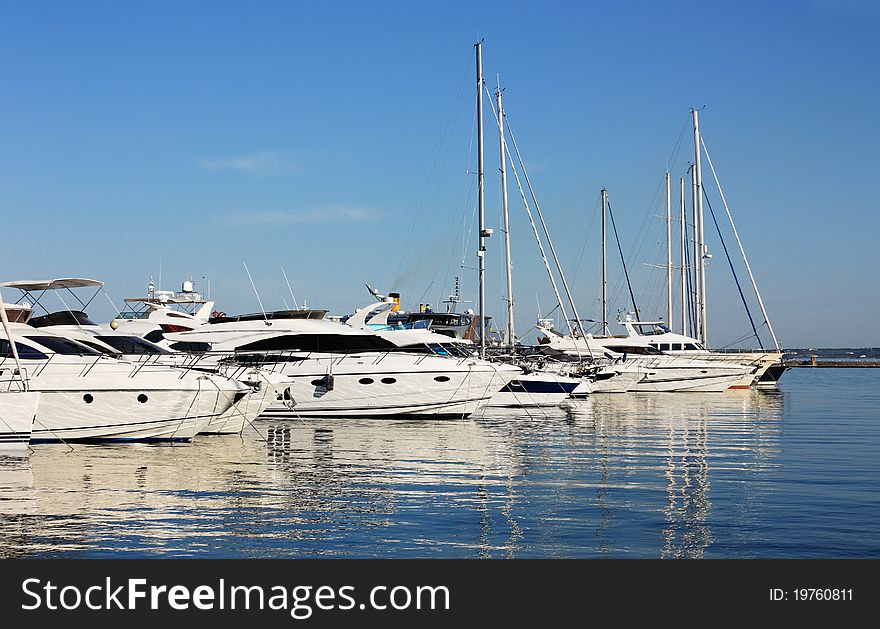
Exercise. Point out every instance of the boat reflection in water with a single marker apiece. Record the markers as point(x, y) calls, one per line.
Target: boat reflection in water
point(635, 475)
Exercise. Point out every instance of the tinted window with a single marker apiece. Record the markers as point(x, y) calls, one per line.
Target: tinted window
point(664, 347)
point(25, 352)
point(64, 317)
point(634, 349)
point(62, 346)
point(131, 345)
point(195, 348)
point(99, 348)
point(318, 343)
point(155, 336)
point(690, 346)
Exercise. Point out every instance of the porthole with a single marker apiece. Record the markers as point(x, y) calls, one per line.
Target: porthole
point(142, 398)
point(441, 378)
point(704, 371)
point(388, 380)
point(367, 381)
point(88, 399)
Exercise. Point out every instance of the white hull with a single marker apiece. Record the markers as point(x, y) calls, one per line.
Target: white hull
point(584, 388)
point(17, 412)
point(620, 382)
point(659, 382)
point(758, 362)
point(100, 398)
point(388, 385)
point(117, 415)
point(246, 410)
point(669, 374)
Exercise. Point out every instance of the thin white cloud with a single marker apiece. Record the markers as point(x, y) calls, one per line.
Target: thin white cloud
point(331, 214)
point(264, 162)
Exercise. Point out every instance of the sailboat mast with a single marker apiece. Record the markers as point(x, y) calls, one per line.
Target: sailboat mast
point(683, 264)
point(511, 333)
point(695, 263)
point(668, 253)
point(604, 265)
point(481, 253)
point(704, 335)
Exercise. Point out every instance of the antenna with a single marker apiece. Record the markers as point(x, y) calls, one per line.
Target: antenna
point(289, 289)
point(260, 301)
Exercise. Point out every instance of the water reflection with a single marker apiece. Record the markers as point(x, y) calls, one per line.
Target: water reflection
point(626, 475)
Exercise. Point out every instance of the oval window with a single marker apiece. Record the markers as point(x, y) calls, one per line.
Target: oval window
point(441, 378)
point(704, 371)
point(388, 380)
point(88, 399)
point(142, 398)
point(366, 381)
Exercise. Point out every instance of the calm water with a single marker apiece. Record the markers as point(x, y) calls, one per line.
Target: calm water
point(793, 473)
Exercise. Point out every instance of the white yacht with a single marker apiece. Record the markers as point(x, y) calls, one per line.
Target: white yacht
point(164, 311)
point(128, 346)
point(86, 395)
point(337, 370)
point(647, 367)
point(532, 388)
point(660, 337)
point(90, 396)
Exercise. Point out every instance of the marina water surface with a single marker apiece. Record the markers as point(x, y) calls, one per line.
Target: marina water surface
point(788, 473)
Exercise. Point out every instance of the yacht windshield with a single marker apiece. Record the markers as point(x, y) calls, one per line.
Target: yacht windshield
point(131, 345)
point(25, 352)
point(61, 345)
point(319, 343)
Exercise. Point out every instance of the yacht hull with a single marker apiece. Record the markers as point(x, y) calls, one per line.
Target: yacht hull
point(388, 385)
point(17, 412)
point(118, 415)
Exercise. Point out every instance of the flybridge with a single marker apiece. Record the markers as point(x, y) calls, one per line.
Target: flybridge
point(34, 290)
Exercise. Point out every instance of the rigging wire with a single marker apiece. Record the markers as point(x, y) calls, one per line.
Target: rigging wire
point(623, 261)
point(437, 155)
point(732, 270)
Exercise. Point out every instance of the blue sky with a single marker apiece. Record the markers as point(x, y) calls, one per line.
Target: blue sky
point(335, 140)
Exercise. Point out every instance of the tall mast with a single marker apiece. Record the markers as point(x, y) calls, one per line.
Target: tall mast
point(481, 253)
point(683, 265)
point(511, 333)
point(604, 265)
point(704, 335)
point(695, 293)
point(668, 253)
